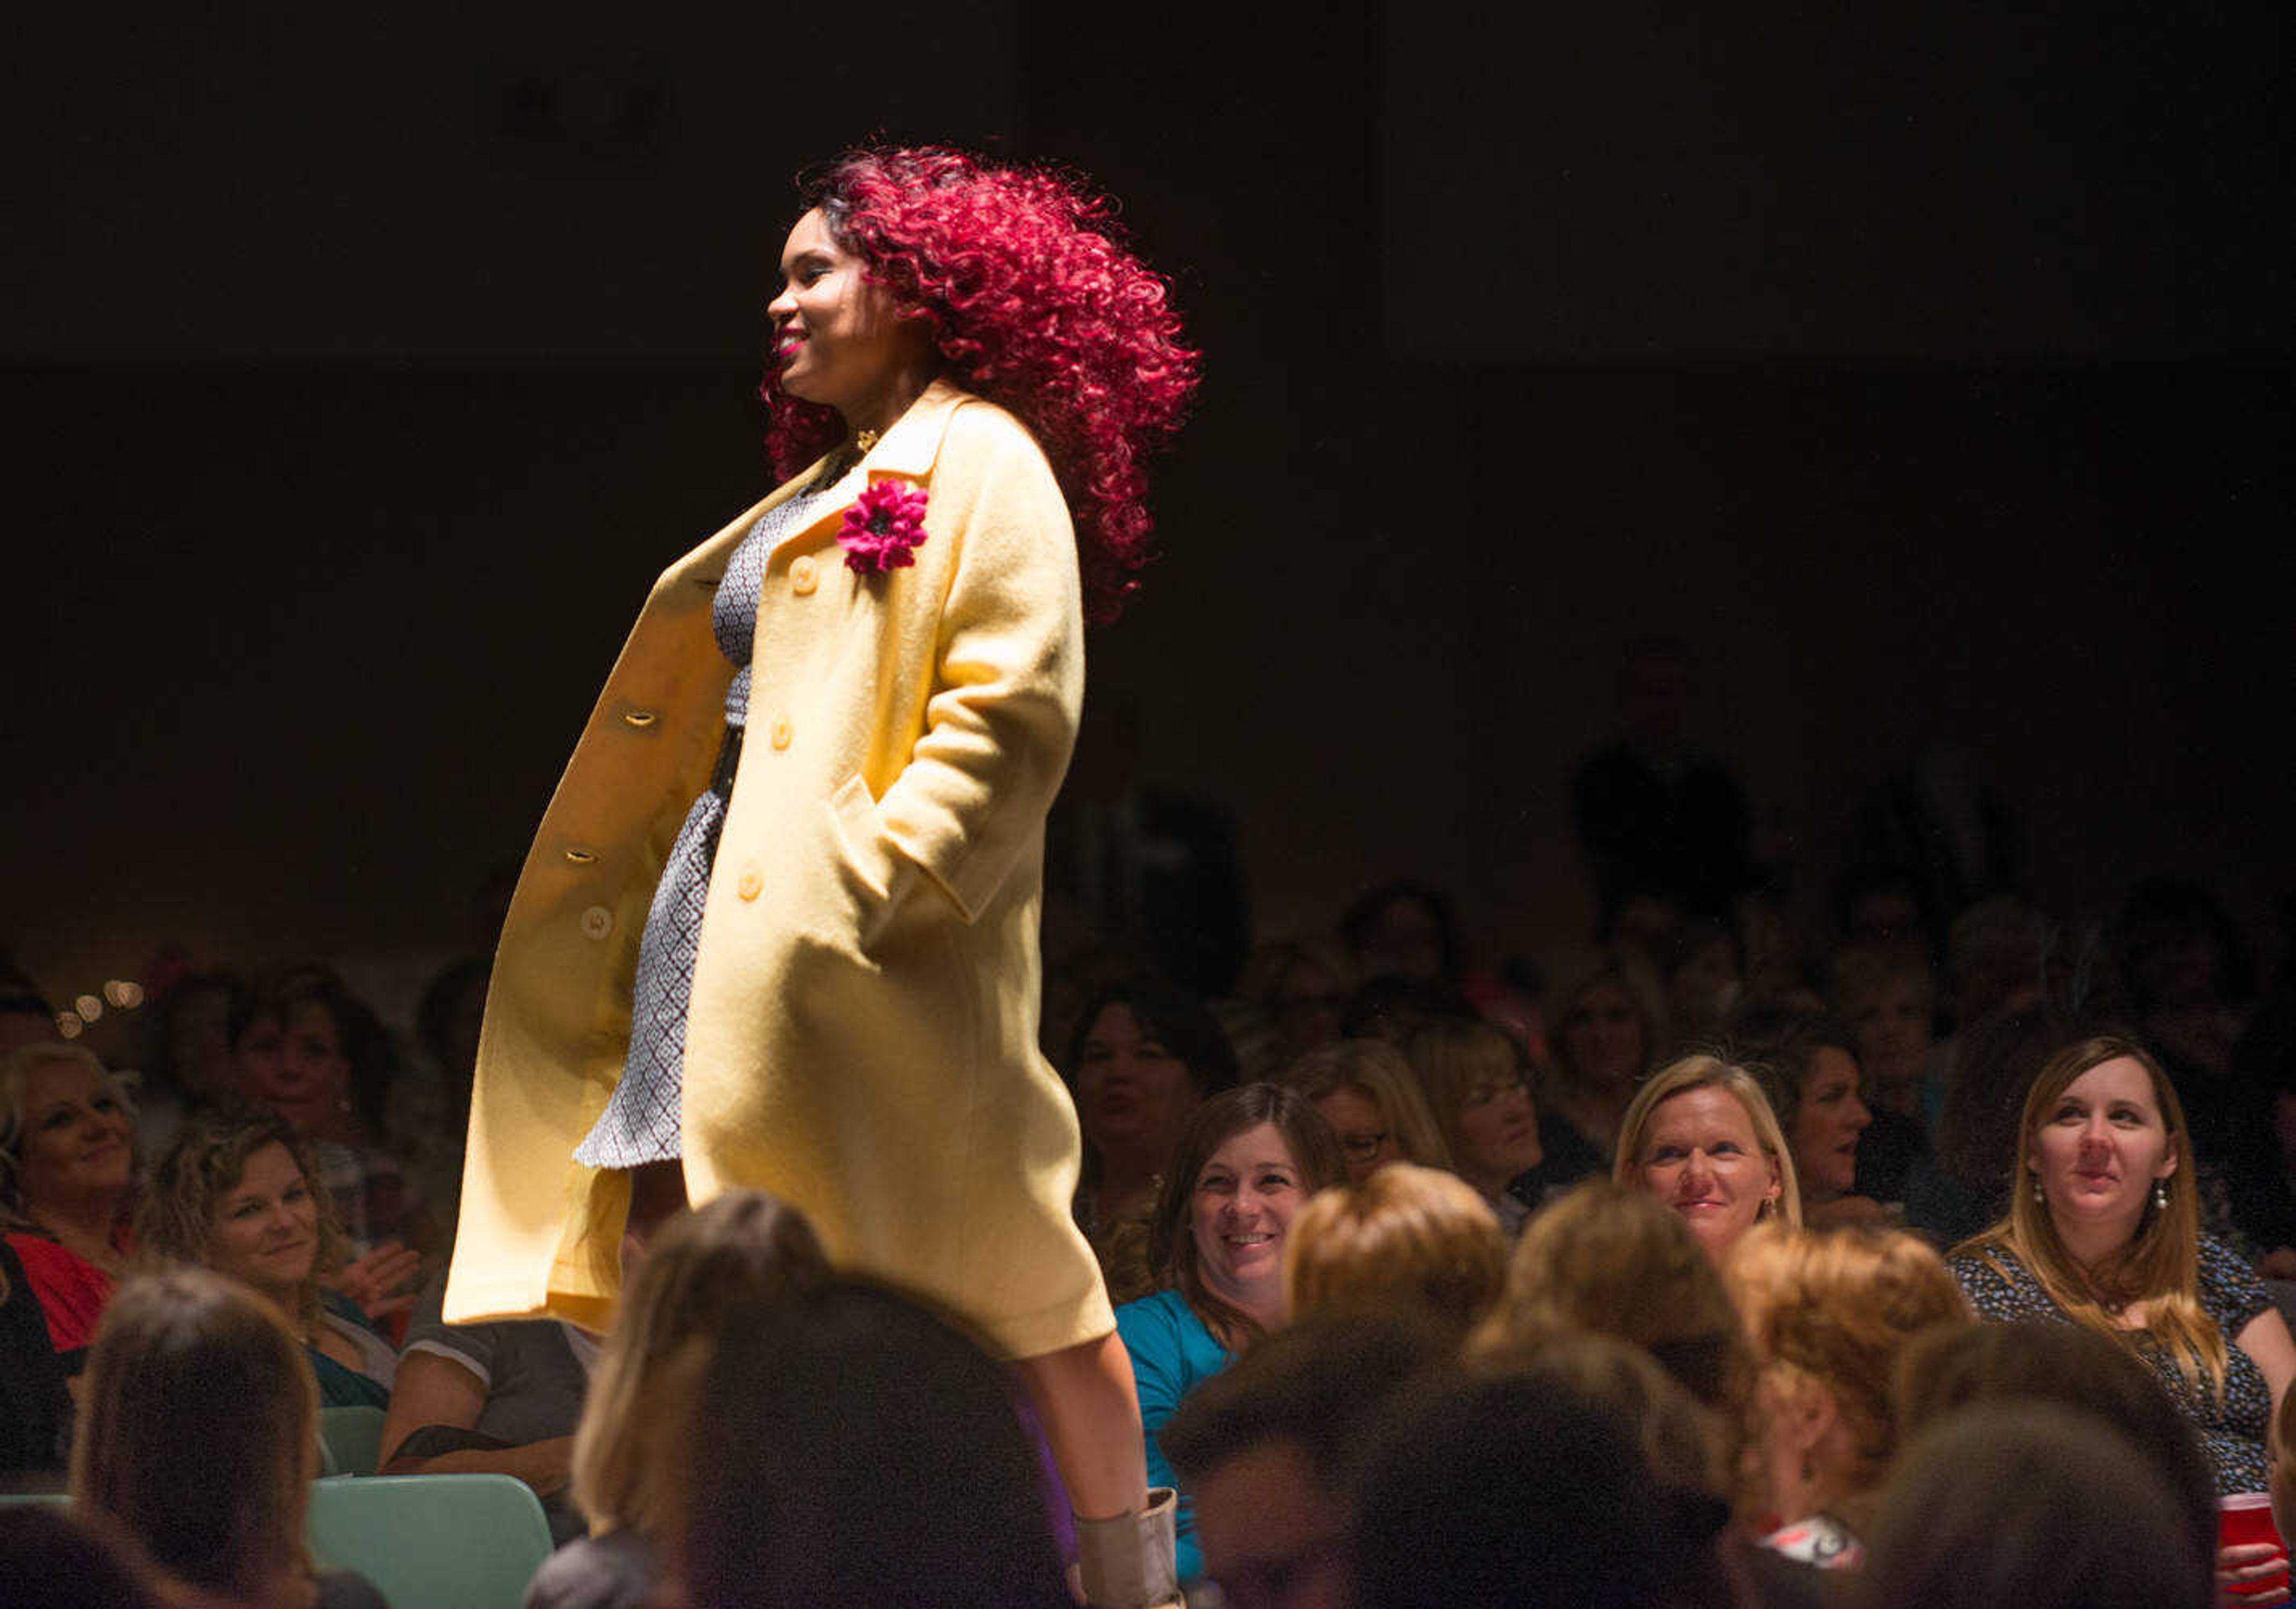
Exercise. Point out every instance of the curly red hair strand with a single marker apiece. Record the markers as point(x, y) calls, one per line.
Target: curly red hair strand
point(1037, 305)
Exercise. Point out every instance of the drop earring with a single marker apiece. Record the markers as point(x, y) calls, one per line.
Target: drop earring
point(2038, 1193)
point(2161, 1194)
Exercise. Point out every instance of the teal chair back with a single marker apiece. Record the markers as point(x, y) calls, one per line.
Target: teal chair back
point(432, 1541)
point(350, 1440)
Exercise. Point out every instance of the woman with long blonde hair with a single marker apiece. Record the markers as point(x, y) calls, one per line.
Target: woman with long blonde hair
point(2103, 1231)
point(1702, 1136)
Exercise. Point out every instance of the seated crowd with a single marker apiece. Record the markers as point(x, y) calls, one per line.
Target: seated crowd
point(1697, 1278)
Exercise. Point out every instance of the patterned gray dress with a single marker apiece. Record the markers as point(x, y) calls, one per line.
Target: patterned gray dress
point(640, 1123)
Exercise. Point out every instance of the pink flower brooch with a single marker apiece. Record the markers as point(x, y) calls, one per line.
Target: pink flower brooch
point(883, 528)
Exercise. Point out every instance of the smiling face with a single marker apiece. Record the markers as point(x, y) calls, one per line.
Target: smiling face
point(1603, 1036)
point(1828, 1124)
point(265, 1230)
point(838, 338)
point(2098, 1150)
point(1701, 1157)
point(1132, 1093)
point(1240, 1209)
point(73, 1148)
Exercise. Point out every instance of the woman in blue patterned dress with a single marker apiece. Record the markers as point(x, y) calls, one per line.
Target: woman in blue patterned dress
point(2103, 1231)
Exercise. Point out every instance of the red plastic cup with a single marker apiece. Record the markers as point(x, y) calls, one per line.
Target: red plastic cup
point(2245, 1518)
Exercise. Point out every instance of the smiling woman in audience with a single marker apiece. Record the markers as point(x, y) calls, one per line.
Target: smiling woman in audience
point(2103, 1231)
point(1247, 1162)
point(1701, 1137)
point(67, 1184)
point(238, 1193)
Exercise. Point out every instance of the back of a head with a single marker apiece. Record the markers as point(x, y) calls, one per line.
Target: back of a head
point(201, 1430)
point(1521, 1492)
point(1409, 1238)
point(743, 1246)
point(2031, 1504)
point(1612, 1260)
point(50, 1559)
point(855, 1449)
point(1992, 1367)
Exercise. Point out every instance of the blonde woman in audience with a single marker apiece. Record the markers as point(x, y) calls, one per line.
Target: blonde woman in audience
point(638, 1422)
point(1610, 1021)
point(1831, 1314)
point(1700, 1136)
point(1409, 1238)
point(67, 1186)
point(200, 1442)
point(1248, 1160)
point(238, 1193)
point(1479, 1090)
point(1372, 1099)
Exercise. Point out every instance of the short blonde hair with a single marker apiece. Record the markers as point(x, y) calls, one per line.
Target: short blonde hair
point(1709, 1072)
point(15, 1074)
point(1839, 1307)
point(1456, 1059)
point(629, 1450)
point(1377, 1070)
point(1407, 1237)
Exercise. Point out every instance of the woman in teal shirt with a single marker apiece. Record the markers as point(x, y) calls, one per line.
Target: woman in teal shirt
point(1247, 1161)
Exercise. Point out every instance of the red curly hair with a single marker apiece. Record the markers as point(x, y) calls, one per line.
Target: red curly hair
point(1037, 305)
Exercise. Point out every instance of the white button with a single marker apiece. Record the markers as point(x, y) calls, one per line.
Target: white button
point(597, 921)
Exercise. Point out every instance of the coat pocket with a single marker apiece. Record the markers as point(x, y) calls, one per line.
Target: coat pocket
point(878, 877)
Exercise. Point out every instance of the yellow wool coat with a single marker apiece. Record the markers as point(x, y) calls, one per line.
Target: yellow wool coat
point(863, 1033)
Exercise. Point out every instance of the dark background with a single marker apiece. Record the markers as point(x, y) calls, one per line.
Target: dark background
point(1929, 369)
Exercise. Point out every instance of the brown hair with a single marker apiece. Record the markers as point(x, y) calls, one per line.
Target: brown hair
point(201, 1433)
point(1626, 970)
point(1837, 1309)
point(2160, 1266)
point(206, 1163)
point(744, 1246)
point(1377, 1070)
point(1409, 1237)
point(1172, 1244)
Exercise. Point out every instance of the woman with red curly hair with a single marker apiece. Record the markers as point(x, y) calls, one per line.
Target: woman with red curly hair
point(805, 961)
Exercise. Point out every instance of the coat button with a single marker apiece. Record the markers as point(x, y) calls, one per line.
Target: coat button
point(597, 921)
point(638, 718)
point(783, 733)
point(749, 883)
point(581, 857)
point(805, 575)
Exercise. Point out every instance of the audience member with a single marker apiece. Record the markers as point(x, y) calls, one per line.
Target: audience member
point(1700, 1136)
point(640, 1423)
point(1374, 1103)
point(859, 1452)
point(1271, 1450)
point(1830, 1313)
point(26, 1017)
point(1392, 1007)
point(238, 1193)
point(1480, 1091)
point(35, 1409)
point(200, 1442)
point(1887, 995)
point(1142, 1057)
point(2107, 1236)
point(1248, 1161)
point(2027, 1504)
point(1656, 817)
point(53, 1559)
point(1966, 1185)
point(184, 1032)
point(1522, 1492)
point(2188, 980)
point(430, 1116)
point(1402, 930)
point(1609, 1023)
point(1704, 978)
point(1407, 1239)
point(307, 1048)
point(1807, 1066)
point(67, 1185)
point(1292, 994)
point(1952, 1367)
